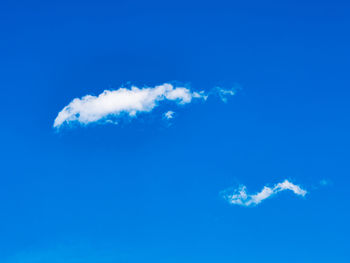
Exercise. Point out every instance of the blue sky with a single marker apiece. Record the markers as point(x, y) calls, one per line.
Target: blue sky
point(145, 188)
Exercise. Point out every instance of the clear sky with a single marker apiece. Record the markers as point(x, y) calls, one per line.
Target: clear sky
point(174, 175)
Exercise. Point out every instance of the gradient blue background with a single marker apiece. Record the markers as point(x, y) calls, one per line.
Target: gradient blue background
point(146, 192)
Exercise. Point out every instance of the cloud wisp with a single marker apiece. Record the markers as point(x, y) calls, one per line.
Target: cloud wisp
point(169, 115)
point(240, 196)
point(111, 104)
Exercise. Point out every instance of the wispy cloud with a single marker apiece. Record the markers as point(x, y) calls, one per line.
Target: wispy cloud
point(325, 182)
point(224, 93)
point(169, 115)
point(240, 197)
point(130, 102)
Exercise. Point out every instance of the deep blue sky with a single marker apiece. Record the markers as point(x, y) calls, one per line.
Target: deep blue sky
point(145, 191)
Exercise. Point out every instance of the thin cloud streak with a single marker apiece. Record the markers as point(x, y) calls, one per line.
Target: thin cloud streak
point(240, 196)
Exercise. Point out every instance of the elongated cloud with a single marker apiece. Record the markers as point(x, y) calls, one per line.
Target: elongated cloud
point(113, 103)
point(240, 196)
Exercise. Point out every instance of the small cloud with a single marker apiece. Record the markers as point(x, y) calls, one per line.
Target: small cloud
point(169, 115)
point(240, 196)
point(224, 93)
point(112, 122)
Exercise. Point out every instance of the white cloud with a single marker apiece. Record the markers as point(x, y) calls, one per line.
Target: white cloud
point(240, 196)
point(113, 103)
point(224, 93)
point(169, 115)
